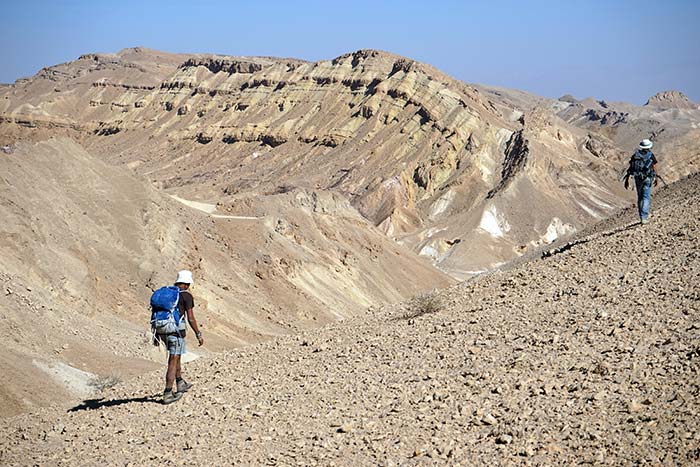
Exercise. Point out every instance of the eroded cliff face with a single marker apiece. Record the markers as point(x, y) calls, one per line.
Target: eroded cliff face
point(436, 164)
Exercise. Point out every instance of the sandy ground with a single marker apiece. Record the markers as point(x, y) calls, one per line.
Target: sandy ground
point(587, 355)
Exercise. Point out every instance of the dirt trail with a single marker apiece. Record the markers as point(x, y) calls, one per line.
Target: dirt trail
point(590, 355)
point(209, 209)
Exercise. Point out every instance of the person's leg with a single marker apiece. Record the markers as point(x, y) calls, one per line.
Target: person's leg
point(173, 363)
point(639, 185)
point(182, 385)
point(170, 395)
point(645, 203)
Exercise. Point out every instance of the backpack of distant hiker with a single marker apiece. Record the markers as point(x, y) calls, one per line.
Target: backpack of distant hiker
point(165, 313)
point(641, 165)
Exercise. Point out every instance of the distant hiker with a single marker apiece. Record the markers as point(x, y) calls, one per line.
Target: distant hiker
point(171, 310)
point(643, 168)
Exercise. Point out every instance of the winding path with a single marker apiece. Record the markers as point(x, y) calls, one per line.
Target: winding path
point(209, 209)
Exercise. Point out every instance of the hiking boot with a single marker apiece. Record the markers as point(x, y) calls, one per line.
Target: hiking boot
point(169, 397)
point(183, 386)
point(645, 221)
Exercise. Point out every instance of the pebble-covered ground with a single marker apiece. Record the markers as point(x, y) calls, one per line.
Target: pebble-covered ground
point(588, 356)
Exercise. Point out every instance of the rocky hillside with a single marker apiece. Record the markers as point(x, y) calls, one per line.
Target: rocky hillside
point(671, 100)
point(436, 164)
point(299, 194)
point(84, 244)
point(589, 354)
point(669, 119)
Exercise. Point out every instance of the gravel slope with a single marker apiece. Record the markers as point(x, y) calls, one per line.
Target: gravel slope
point(589, 356)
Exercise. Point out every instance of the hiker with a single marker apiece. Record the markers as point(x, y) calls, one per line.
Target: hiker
point(169, 320)
point(643, 168)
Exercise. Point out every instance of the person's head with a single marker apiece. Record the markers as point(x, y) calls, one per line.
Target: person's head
point(184, 279)
point(645, 145)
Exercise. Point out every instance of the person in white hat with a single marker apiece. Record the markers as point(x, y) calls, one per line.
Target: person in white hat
point(176, 343)
point(642, 168)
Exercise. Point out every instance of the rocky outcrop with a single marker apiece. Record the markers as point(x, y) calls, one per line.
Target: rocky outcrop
point(516, 155)
point(568, 98)
point(606, 118)
point(225, 65)
point(671, 100)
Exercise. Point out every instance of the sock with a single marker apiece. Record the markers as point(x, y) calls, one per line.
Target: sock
point(177, 380)
point(168, 389)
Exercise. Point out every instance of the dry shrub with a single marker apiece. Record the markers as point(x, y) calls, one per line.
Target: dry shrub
point(424, 305)
point(102, 382)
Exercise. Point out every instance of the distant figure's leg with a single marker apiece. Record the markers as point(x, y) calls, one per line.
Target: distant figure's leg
point(639, 185)
point(646, 198)
point(643, 197)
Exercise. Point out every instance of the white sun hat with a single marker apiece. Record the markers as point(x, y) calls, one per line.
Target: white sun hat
point(184, 276)
point(645, 144)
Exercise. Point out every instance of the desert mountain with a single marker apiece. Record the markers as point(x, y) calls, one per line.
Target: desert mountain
point(436, 164)
point(299, 193)
point(671, 100)
point(588, 355)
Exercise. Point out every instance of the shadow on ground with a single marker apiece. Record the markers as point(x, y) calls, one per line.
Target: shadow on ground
point(569, 245)
point(91, 404)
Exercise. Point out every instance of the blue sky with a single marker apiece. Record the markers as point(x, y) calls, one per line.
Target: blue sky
point(613, 50)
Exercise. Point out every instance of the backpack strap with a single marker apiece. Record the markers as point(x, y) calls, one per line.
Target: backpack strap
point(176, 308)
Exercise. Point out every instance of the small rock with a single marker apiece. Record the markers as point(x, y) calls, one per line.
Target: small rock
point(634, 406)
point(489, 419)
point(528, 452)
point(504, 439)
point(345, 428)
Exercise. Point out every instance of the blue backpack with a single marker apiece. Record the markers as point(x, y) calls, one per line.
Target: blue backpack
point(165, 313)
point(641, 165)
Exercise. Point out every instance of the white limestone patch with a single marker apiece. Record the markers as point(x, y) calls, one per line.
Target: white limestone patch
point(429, 251)
point(387, 227)
point(502, 137)
point(558, 106)
point(590, 211)
point(189, 356)
point(556, 229)
point(595, 199)
point(204, 207)
point(487, 165)
point(72, 379)
point(515, 115)
point(494, 222)
point(391, 183)
point(442, 203)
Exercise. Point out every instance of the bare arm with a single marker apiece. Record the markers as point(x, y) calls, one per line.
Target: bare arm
point(195, 327)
